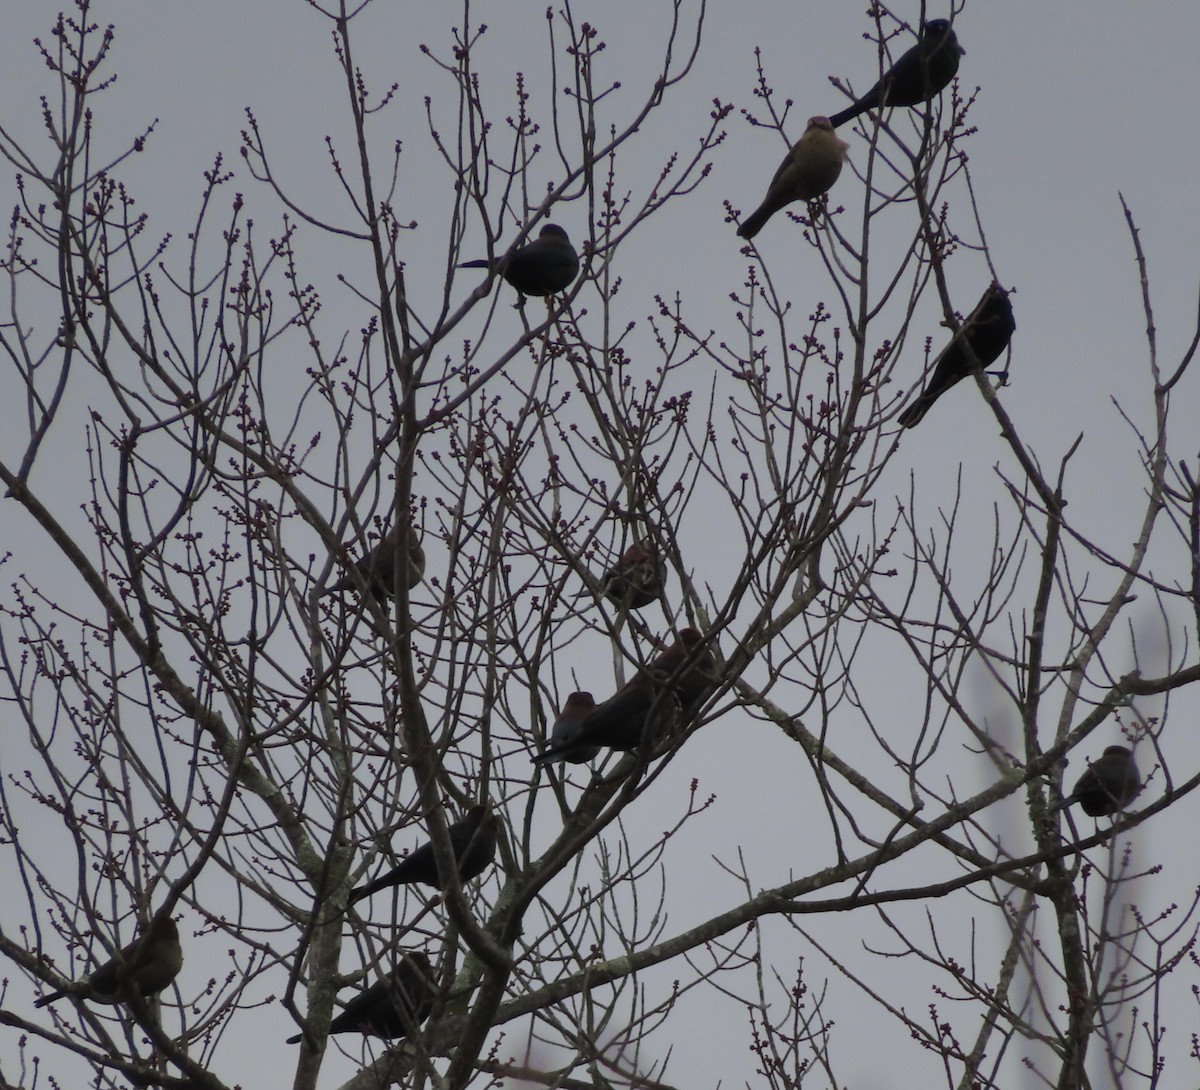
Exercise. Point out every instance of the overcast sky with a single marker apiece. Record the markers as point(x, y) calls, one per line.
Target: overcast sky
point(1079, 102)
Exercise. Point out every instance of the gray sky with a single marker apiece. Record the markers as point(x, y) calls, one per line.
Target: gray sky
point(1078, 102)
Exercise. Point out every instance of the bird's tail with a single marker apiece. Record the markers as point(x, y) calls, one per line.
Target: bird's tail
point(479, 263)
point(915, 413)
point(849, 113)
point(360, 892)
point(46, 1000)
point(754, 223)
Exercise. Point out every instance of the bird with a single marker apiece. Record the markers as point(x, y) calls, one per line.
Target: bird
point(807, 171)
point(392, 1006)
point(986, 332)
point(1109, 784)
point(378, 567)
point(621, 721)
point(148, 965)
point(919, 75)
point(637, 578)
point(473, 839)
point(568, 725)
point(547, 264)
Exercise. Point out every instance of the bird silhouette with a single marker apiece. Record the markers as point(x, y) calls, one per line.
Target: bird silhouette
point(807, 171)
point(918, 76)
point(637, 578)
point(146, 966)
point(378, 567)
point(1109, 784)
point(542, 267)
point(473, 838)
point(568, 725)
point(622, 721)
point(980, 341)
point(390, 1007)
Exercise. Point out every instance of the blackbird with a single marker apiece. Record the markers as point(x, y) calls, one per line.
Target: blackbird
point(807, 171)
point(148, 965)
point(1109, 784)
point(986, 332)
point(918, 76)
point(378, 567)
point(621, 721)
point(473, 839)
point(390, 1007)
point(568, 725)
point(637, 578)
point(547, 264)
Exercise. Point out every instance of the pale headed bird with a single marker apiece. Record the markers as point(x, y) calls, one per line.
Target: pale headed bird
point(807, 171)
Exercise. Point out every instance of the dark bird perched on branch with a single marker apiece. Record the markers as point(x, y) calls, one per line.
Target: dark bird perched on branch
point(1110, 784)
point(621, 721)
point(807, 171)
point(568, 726)
point(390, 1007)
point(473, 839)
point(637, 578)
point(547, 264)
point(378, 567)
point(146, 966)
point(918, 76)
point(980, 341)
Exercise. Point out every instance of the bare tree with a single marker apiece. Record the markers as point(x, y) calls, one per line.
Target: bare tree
point(339, 557)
